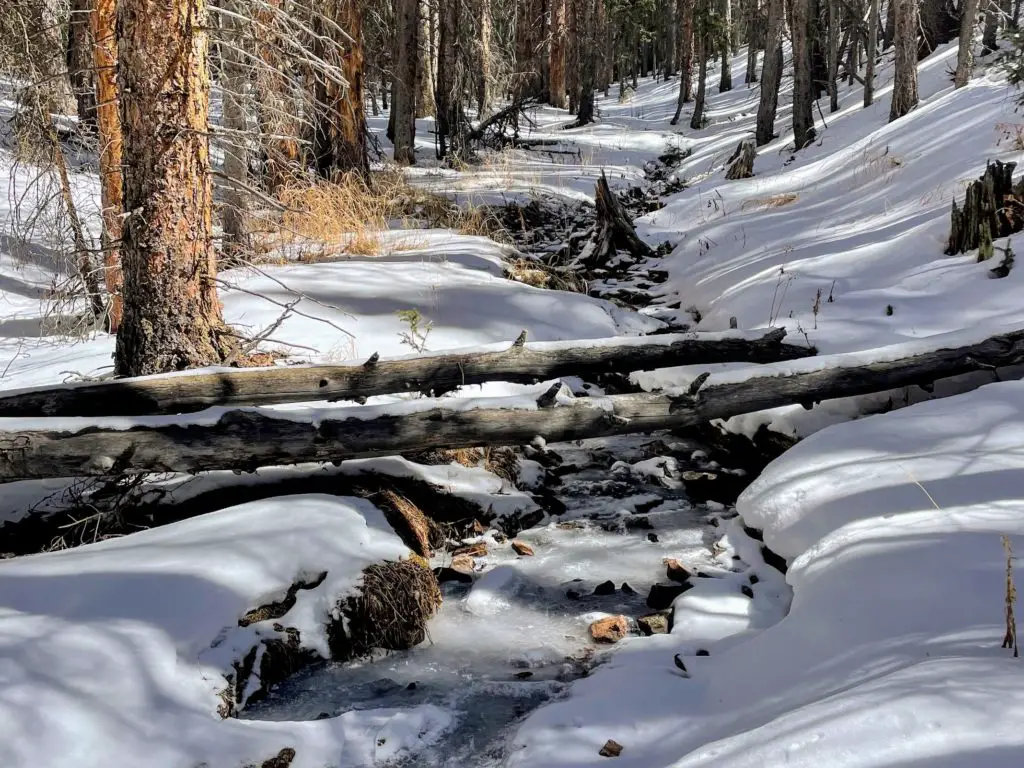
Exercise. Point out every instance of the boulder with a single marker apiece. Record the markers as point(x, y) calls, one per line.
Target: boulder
point(675, 570)
point(662, 596)
point(605, 588)
point(611, 748)
point(653, 624)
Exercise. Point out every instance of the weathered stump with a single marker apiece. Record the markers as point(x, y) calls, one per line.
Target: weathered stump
point(993, 208)
point(613, 231)
point(741, 164)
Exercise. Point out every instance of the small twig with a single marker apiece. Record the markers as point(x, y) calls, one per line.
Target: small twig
point(281, 304)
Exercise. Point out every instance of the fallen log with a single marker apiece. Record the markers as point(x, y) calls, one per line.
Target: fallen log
point(437, 374)
point(244, 440)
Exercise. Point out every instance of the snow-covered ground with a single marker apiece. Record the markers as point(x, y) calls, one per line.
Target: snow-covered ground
point(879, 647)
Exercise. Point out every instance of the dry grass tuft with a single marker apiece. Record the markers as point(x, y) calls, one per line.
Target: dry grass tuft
point(415, 529)
point(346, 215)
point(503, 462)
point(390, 612)
point(539, 275)
point(775, 201)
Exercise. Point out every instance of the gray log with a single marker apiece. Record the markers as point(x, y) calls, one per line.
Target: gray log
point(437, 374)
point(247, 440)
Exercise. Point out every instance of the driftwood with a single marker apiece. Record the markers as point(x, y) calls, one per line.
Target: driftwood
point(246, 440)
point(520, 363)
point(741, 164)
point(993, 208)
point(613, 230)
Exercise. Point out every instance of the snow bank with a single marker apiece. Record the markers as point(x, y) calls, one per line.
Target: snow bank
point(889, 655)
point(114, 653)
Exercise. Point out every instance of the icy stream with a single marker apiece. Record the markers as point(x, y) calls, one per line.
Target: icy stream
point(518, 635)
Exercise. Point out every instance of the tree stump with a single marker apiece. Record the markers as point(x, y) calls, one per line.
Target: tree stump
point(741, 164)
point(613, 231)
point(993, 208)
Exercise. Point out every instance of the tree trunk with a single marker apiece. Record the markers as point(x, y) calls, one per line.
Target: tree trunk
point(965, 54)
point(451, 125)
point(425, 86)
point(755, 34)
point(703, 40)
point(345, 108)
point(833, 55)
point(803, 96)
point(725, 47)
point(556, 66)
point(80, 63)
point(275, 108)
point(889, 33)
point(685, 56)
point(483, 91)
point(572, 67)
point(904, 90)
point(988, 34)
point(403, 102)
point(247, 440)
point(741, 164)
point(528, 80)
point(172, 317)
point(108, 129)
point(771, 73)
point(670, 31)
point(588, 63)
point(235, 82)
point(434, 375)
point(872, 53)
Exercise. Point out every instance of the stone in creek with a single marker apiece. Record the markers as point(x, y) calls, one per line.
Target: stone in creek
point(605, 588)
point(662, 596)
point(609, 630)
point(654, 624)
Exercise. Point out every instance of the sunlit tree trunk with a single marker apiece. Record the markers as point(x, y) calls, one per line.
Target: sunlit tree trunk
point(403, 102)
point(483, 94)
point(702, 38)
point(425, 66)
point(872, 53)
point(172, 316)
point(108, 129)
point(725, 46)
point(685, 57)
point(556, 67)
point(904, 89)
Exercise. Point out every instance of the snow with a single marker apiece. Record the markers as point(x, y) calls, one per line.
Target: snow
point(119, 648)
point(879, 647)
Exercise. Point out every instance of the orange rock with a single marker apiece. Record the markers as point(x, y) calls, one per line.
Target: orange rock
point(522, 548)
point(463, 563)
point(609, 630)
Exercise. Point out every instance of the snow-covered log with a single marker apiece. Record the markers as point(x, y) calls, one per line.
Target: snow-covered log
point(244, 440)
point(436, 373)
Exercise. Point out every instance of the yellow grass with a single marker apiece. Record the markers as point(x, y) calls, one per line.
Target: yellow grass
point(775, 201)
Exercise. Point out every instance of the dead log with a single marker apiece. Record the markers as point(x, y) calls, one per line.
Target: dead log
point(613, 230)
point(245, 440)
point(993, 208)
point(437, 374)
point(741, 164)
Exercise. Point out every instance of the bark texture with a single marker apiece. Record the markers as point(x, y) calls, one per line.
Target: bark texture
point(172, 317)
point(556, 56)
point(803, 95)
point(80, 63)
point(965, 54)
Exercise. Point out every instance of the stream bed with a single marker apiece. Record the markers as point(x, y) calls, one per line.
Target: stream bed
point(518, 634)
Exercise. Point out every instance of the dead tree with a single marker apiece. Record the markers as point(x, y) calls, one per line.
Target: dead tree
point(613, 231)
point(993, 208)
point(172, 317)
point(741, 164)
point(244, 441)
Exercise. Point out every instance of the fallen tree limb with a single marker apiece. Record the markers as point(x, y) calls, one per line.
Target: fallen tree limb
point(437, 374)
point(244, 440)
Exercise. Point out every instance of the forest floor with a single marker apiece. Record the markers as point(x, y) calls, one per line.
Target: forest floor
point(880, 645)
